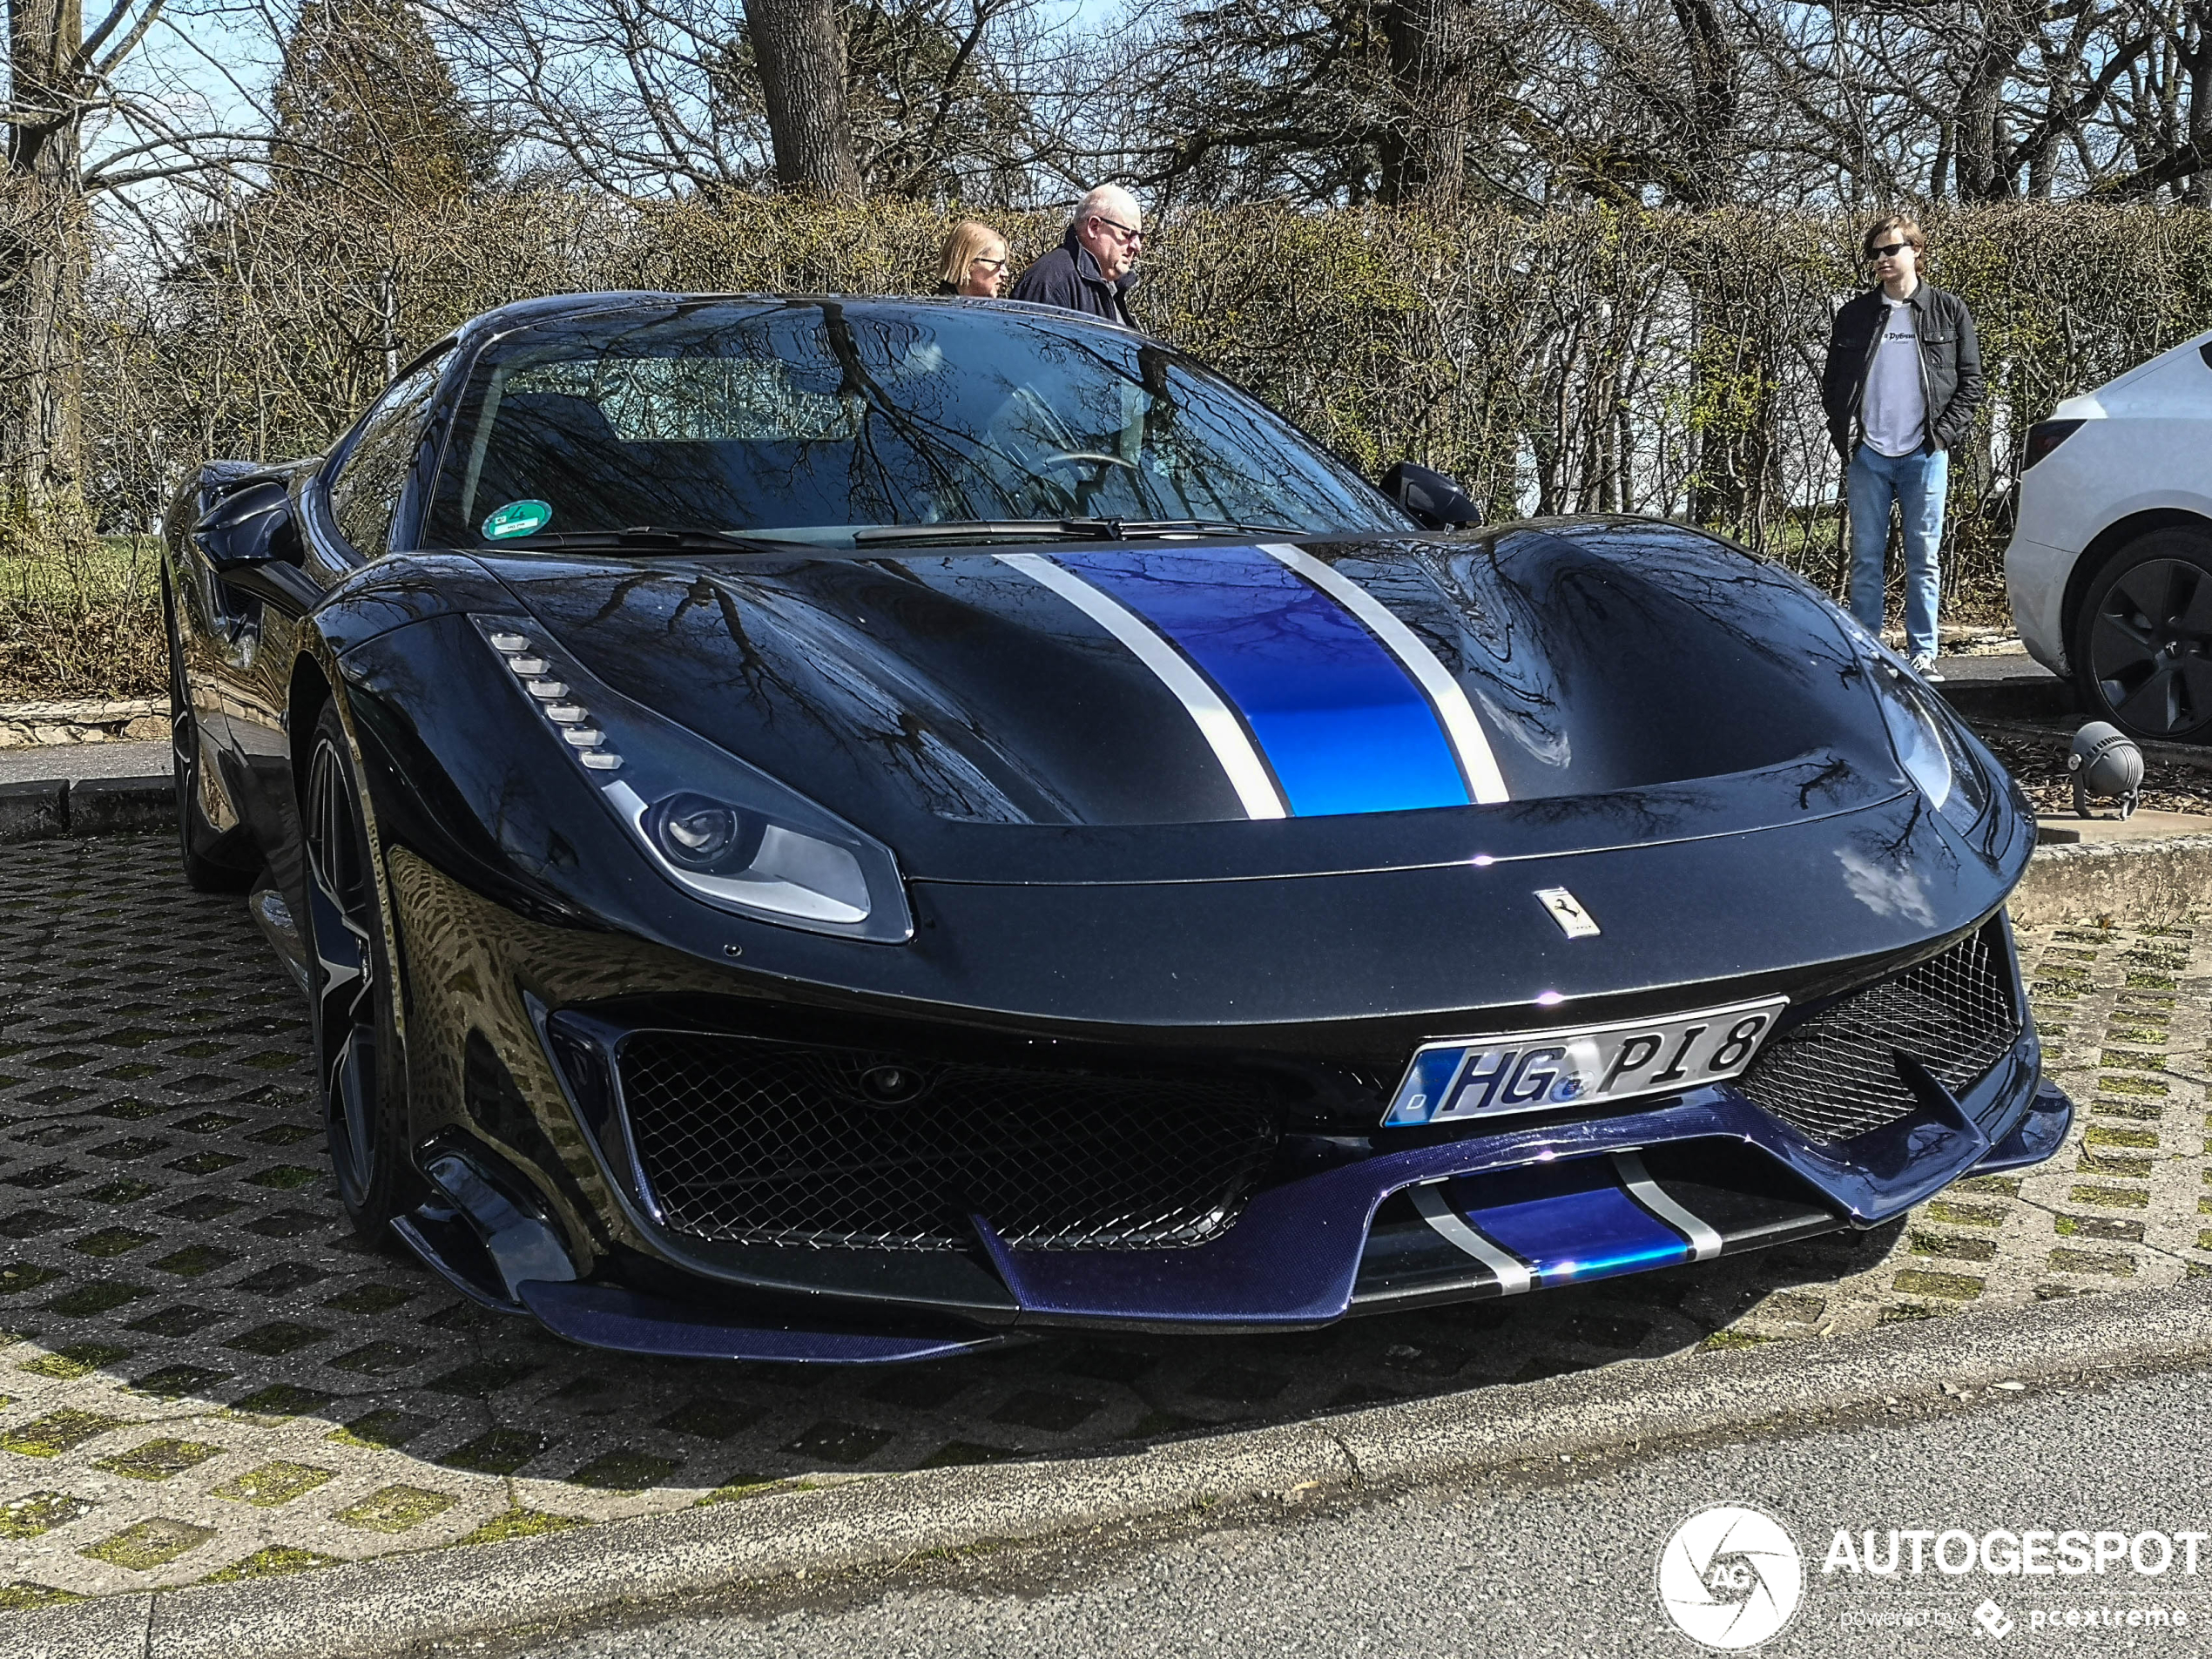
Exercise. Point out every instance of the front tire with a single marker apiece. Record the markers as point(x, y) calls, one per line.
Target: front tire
point(359, 1072)
point(197, 839)
point(2143, 639)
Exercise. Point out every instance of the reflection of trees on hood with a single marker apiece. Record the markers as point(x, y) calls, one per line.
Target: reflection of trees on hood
point(1725, 584)
point(858, 690)
point(1888, 870)
point(1624, 816)
point(1513, 679)
point(799, 662)
point(1825, 776)
point(1562, 633)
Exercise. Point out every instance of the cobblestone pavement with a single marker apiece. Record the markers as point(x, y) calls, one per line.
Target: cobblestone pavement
point(206, 1377)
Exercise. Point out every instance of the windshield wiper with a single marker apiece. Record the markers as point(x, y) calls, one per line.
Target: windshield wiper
point(642, 538)
point(983, 529)
point(1200, 527)
point(1075, 529)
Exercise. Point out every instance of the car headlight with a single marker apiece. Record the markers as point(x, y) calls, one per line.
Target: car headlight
point(719, 829)
point(1925, 735)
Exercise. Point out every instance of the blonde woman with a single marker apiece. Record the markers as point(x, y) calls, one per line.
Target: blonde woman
point(974, 261)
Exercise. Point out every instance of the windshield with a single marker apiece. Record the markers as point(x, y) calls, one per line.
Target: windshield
point(813, 421)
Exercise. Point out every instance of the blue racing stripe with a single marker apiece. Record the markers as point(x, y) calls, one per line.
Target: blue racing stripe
point(1568, 1221)
point(1342, 724)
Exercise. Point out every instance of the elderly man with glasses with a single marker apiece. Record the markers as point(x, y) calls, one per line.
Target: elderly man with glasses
point(1902, 385)
point(1095, 267)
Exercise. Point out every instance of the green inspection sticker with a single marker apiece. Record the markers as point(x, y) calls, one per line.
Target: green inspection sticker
point(518, 518)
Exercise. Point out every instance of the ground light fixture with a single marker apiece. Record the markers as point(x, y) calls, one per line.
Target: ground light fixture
point(2105, 764)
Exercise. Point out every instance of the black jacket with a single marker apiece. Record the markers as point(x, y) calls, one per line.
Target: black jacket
point(1951, 383)
point(1069, 277)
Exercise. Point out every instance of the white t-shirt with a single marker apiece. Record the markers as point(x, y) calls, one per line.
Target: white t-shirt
point(1894, 410)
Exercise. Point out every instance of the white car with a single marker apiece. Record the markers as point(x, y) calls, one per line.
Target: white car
point(2110, 567)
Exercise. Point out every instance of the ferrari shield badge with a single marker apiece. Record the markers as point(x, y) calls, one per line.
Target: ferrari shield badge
point(1566, 910)
point(517, 518)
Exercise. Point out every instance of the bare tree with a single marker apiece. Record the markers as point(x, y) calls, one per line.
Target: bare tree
point(676, 97)
point(1985, 100)
point(799, 46)
point(2163, 106)
point(1330, 102)
point(932, 105)
point(1425, 141)
point(364, 102)
point(1440, 101)
point(54, 71)
point(78, 133)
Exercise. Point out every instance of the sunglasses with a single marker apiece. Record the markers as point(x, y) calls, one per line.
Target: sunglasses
point(1120, 229)
point(1889, 251)
point(988, 264)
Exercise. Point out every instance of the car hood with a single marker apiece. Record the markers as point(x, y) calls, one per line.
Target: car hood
point(1147, 711)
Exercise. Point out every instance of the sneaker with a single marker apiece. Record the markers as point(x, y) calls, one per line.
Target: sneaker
point(1925, 668)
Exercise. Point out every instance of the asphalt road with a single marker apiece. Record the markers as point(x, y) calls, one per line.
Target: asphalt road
point(75, 760)
point(1566, 1562)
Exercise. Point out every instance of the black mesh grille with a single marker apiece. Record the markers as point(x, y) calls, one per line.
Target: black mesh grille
point(756, 1142)
point(1835, 1076)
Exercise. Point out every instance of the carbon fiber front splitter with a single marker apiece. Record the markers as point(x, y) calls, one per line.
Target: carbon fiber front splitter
point(1694, 1177)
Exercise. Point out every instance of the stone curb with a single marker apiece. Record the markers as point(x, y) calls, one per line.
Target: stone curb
point(2137, 884)
point(121, 806)
point(2039, 696)
point(49, 807)
point(54, 722)
point(34, 812)
point(385, 1607)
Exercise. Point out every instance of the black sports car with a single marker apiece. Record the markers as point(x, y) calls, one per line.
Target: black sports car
point(827, 828)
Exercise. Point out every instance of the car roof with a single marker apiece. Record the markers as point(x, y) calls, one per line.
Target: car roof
point(2178, 381)
point(523, 314)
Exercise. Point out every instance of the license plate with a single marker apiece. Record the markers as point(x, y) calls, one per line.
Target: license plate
point(1540, 1071)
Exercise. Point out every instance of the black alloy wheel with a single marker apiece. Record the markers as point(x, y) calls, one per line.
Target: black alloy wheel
point(2144, 646)
point(197, 839)
point(357, 1069)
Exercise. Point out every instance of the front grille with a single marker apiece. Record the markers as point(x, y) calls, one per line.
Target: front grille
point(1835, 1076)
point(749, 1141)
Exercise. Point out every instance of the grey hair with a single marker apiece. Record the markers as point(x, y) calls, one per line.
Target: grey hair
point(1104, 200)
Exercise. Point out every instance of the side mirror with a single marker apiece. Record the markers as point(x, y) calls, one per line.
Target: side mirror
point(251, 525)
point(1435, 500)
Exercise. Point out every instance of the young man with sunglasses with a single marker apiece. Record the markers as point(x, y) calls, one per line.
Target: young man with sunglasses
point(1095, 267)
point(1902, 385)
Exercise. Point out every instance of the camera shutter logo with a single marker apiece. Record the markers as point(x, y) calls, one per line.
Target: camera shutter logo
point(1730, 1577)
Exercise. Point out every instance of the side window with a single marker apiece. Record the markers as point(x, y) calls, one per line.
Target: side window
point(366, 493)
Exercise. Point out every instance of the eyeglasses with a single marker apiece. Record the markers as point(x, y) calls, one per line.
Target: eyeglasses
point(1123, 230)
point(1889, 251)
point(988, 264)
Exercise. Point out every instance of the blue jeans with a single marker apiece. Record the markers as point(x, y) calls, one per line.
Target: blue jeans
point(1916, 483)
